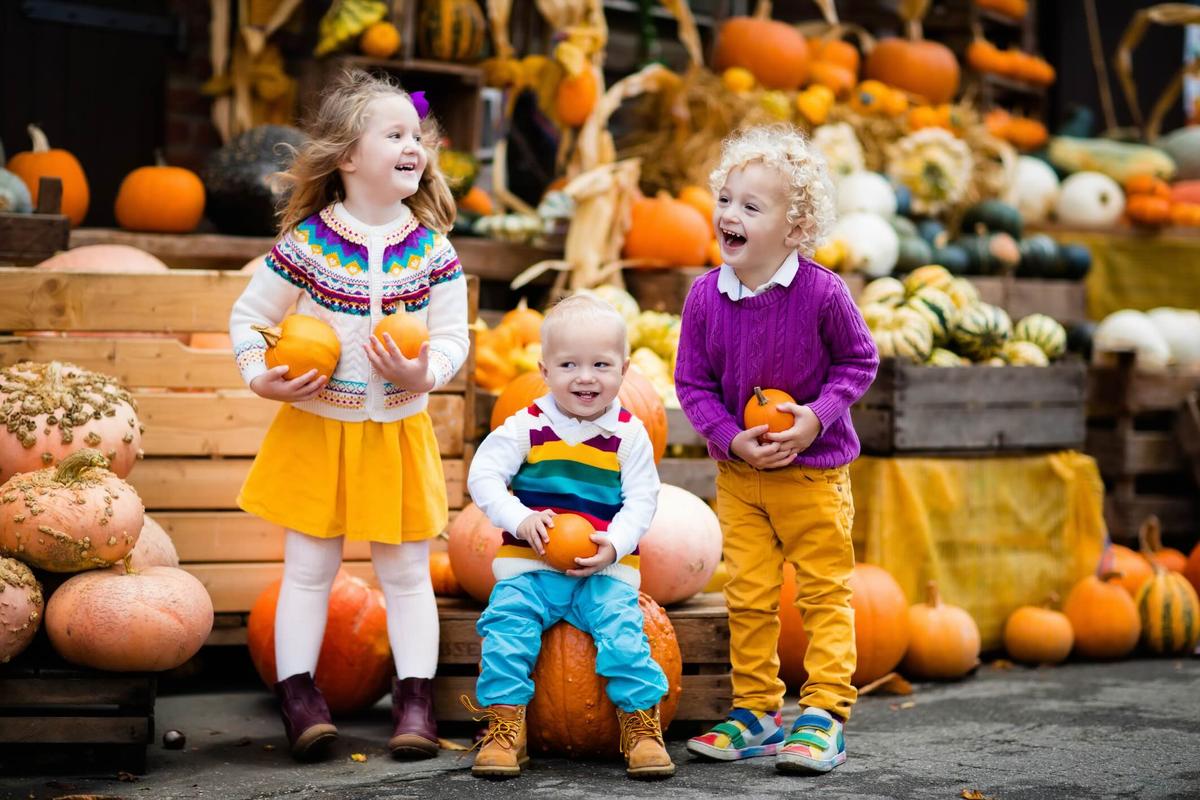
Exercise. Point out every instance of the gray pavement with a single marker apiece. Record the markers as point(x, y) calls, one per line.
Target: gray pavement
point(1088, 731)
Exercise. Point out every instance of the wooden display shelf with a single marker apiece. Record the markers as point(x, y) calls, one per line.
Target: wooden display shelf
point(30, 238)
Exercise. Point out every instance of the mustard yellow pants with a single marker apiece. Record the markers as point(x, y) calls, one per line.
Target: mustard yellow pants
point(802, 515)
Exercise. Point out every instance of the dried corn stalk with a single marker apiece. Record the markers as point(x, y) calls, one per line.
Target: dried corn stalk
point(595, 145)
point(1161, 14)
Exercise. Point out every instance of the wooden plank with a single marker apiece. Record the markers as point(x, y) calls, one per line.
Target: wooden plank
point(1121, 453)
point(680, 430)
point(235, 587)
point(996, 428)
point(662, 289)
point(1065, 301)
point(696, 475)
point(1114, 389)
point(27, 239)
point(93, 689)
point(1187, 434)
point(986, 387)
point(1125, 514)
point(192, 484)
point(75, 730)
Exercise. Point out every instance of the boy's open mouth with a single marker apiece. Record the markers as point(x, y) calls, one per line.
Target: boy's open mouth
point(586, 397)
point(731, 240)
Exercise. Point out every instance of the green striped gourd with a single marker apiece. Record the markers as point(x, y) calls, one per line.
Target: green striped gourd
point(982, 331)
point(1170, 613)
point(941, 357)
point(933, 275)
point(1043, 331)
point(450, 30)
point(963, 293)
point(886, 291)
point(938, 309)
point(876, 313)
point(904, 334)
point(1023, 354)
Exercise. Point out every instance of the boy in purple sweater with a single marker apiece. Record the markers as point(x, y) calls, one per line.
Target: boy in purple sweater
point(770, 317)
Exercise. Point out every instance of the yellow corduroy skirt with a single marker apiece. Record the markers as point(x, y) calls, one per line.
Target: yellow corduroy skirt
point(371, 481)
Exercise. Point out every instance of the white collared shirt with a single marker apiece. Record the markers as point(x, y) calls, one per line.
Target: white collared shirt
point(732, 287)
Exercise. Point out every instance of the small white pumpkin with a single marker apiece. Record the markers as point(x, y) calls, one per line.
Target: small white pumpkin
point(1090, 200)
point(872, 246)
point(1130, 330)
point(1180, 329)
point(1035, 190)
point(866, 191)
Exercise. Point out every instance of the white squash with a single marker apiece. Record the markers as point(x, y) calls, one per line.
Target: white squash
point(1130, 330)
point(872, 246)
point(1090, 200)
point(1035, 190)
point(866, 191)
point(888, 291)
point(1180, 329)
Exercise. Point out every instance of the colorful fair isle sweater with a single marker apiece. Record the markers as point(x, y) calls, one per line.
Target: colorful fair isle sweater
point(352, 275)
point(602, 470)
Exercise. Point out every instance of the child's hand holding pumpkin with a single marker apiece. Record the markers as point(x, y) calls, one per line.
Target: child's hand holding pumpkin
point(801, 435)
point(606, 554)
point(274, 385)
point(758, 454)
point(411, 374)
point(535, 530)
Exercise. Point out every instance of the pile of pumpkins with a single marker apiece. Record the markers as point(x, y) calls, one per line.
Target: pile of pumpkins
point(1161, 338)
point(72, 437)
point(937, 319)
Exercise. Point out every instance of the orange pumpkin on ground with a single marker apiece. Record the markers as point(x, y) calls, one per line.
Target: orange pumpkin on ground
point(762, 410)
point(46, 162)
point(126, 621)
point(524, 322)
point(576, 96)
point(666, 229)
point(160, 199)
point(774, 52)
point(472, 545)
point(1036, 635)
point(924, 68)
point(441, 573)
point(570, 714)
point(880, 626)
point(302, 343)
point(943, 640)
point(682, 549)
point(1150, 543)
point(75, 516)
point(21, 608)
point(408, 332)
point(355, 664)
point(1131, 567)
point(1103, 616)
point(570, 538)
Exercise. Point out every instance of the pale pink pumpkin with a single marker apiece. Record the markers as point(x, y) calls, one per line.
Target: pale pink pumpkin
point(154, 548)
point(117, 258)
point(473, 542)
point(72, 517)
point(21, 608)
point(681, 550)
point(120, 621)
point(55, 409)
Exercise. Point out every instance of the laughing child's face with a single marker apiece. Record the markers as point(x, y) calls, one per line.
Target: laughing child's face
point(584, 368)
point(751, 218)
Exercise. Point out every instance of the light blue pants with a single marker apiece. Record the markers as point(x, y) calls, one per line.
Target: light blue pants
point(522, 607)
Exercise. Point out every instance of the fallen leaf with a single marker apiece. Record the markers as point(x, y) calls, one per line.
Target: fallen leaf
point(359, 757)
point(1002, 663)
point(127, 777)
point(974, 794)
point(908, 704)
point(446, 744)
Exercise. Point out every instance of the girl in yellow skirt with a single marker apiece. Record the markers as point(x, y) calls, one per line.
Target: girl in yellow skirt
point(354, 456)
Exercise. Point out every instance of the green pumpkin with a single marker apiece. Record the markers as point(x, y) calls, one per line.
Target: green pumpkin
point(1039, 257)
point(903, 226)
point(1076, 261)
point(914, 252)
point(14, 194)
point(993, 216)
point(240, 196)
point(982, 331)
point(933, 232)
point(990, 253)
point(451, 30)
point(953, 257)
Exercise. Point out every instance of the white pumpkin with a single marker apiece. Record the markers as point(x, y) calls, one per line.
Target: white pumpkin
point(682, 547)
point(1090, 200)
point(866, 191)
point(1130, 330)
point(1035, 190)
point(1180, 329)
point(872, 246)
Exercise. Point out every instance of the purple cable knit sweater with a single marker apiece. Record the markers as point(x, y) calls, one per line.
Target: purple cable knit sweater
point(807, 339)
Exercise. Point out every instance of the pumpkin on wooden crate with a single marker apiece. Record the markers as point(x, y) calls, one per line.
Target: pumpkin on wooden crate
point(881, 628)
point(380, 40)
point(104, 258)
point(129, 621)
point(71, 517)
point(154, 548)
point(44, 161)
point(924, 68)
point(570, 713)
point(160, 199)
point(775, 53)
point(21, 608)
point(681, 550)
point(1170, 613)
point(472, 545)
point(241, 196)
point(524, 322)
point(665, 229)
point(1103, 616)
point(53, 410)
point(441, 574)
point(303, 343)
point(450, 30)
point(355, 666)
point(1038, 635)
point(944, 640)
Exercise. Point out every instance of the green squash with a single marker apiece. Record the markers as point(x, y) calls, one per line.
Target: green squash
point(933, 232)
point(914, 252)
point(903, 226)
point(1183, 145)
point(953, 257)
point(14, 194)
point(1076, 261)
point(990, 253)
point(240, 195)
point(982, 331)
point(451, 30)
point(993, 216)
point(1039, 257)
point(1079, 338)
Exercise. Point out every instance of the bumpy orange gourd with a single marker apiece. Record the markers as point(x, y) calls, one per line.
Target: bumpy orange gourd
point(926, 69)
point(943, 639)
point(72, 517)
point(570, 713)
point(445, 584)
point(881, 631)
point(665, 229)
point(472, 545)
point(302, 343)
point(576, 96)
point(570, 538)
point(408, 332)
point(46, 162)
point(355, 663)
point(154, 548)
point(1170, 613)
point(762, 409)
point(1131, 567)
point(160, 199)
point(774, 52)
point(1103, 616)
point(1036, 635)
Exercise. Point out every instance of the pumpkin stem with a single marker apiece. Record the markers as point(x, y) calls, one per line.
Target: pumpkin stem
point(1052, 600)
point(763, 9)
point(40, 143)
point(1111, 574)
point(1150, 536)
point(71, 469)
point(128, 561)
point(159, 159)
point(932, 598)
point(758, 394)
point(828, 11)
point(271, 334)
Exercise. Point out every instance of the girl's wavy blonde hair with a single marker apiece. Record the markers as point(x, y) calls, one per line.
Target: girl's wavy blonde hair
point(809, 190)
point(334, 131)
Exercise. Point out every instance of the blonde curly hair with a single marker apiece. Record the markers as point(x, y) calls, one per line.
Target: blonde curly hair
point(809, 189)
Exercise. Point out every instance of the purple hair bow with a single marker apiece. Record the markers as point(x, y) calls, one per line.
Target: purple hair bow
point(419, 103)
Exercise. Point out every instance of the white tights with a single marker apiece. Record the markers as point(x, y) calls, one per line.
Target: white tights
point(309, 567)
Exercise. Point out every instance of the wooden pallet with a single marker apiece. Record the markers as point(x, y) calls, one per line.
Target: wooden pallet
point(203, 427)
point(32, 238)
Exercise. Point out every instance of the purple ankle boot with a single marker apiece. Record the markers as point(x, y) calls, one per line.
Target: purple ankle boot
point(310, 731)
point(415, 735)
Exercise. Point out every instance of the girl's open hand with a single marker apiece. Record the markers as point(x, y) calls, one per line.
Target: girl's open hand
point(274, 385)
point(410, 374)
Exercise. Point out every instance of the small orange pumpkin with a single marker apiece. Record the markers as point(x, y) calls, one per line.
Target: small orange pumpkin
point(576, 96)
point(160, 199)
point(302, 343)
point(665, 229)
point(834, 51)
point(408, 332)
point(1148, 210)
point(570, 538)
point(699, 198)
point(46, 162)
point(983, 56)
point(1145, 184)
point(524, 322)
point(924, 68)
point(380, 40)
point(1026, 134)
point(477, 201)
point(1131, 568)
point(834, 76)
point(1036, 635)
point(441, 573)
point(1150, 543)
point(761, 410)
point(1103, 616)
point(1186, 215)
point(943, 639)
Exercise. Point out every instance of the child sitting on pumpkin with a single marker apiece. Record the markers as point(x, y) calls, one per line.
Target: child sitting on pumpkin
point(574, 450)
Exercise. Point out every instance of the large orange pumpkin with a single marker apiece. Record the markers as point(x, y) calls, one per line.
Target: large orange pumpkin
point(44, 162)
point(776, 53)
point(943, 639)
point(880, 626)
point(125, 621)
point(666, 229)
point(927, 69)
point(681, 550)
point(161, 199)
point(637, 394)
point(1103, 616)
point(355, 664)
point(472, 546)
point(570, 714)
point(302, 343)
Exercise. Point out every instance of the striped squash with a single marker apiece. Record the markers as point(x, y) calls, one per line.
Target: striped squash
point(1023, 354)
point(886, 291)
point(905, 334)
point(875, 313)
point(1170, 613)
point(963, 293)
point(450, 30)
point(934, 275)
point(941, 357)
point(1043, 331)
point(936, 307)
point(982, 331)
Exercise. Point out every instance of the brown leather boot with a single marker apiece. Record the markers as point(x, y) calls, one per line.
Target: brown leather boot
point(646, 756)
point(306, 720)
point(415, 734)
point(502, 751)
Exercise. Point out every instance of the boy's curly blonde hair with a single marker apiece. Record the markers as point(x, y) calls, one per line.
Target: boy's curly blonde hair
point(809, 190)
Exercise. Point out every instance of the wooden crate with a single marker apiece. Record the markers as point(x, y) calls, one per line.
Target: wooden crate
point(912, 408)
point(1137, 430)
point(31, 238)
point(203, 427)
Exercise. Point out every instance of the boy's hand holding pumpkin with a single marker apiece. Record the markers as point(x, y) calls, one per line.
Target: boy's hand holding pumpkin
point(606, 554)
point(535, 530)
point(801, 435)
point(758, 454)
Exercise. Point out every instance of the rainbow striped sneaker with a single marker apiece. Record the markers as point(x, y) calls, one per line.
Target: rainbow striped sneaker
point(743, 734)
point(816, 743)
